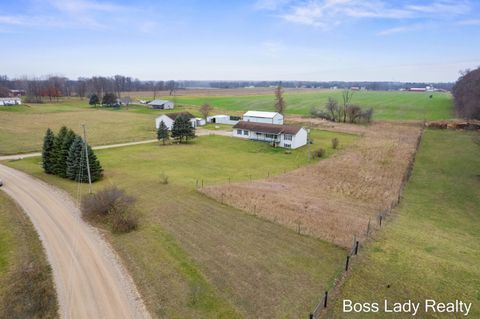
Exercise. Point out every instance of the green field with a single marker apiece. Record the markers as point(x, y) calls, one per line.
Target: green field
point(196, 258)
point(386, 105)
point(22, 127)
point(430, 250)
point(26, 283)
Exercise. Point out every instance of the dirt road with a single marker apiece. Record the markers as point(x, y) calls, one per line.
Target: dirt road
point(89, 279)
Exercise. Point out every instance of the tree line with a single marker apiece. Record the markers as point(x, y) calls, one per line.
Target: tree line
point(466, 93)
point(64, 155)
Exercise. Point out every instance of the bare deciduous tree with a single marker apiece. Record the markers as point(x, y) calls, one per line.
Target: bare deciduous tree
point(205, 110)
point(280, 104)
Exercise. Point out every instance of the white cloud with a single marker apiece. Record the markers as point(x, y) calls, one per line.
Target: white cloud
point(327, 13)
point(401, 29)
point(272, 48)
point(469, 22)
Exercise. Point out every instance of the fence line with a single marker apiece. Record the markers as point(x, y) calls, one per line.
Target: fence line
point(380, 221)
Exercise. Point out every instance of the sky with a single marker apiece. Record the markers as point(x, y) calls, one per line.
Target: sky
point(316, 40)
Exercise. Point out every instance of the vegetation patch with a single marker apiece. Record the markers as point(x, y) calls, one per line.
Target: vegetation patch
point(430, 249)
point(337, 198)
point(26, 284)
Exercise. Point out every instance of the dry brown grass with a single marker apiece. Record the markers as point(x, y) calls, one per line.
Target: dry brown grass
point(334, 199)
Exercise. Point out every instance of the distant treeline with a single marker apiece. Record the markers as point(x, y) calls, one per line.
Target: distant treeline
point(53, 87)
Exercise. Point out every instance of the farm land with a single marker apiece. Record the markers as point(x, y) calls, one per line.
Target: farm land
point(22, 127)
point(207, 252)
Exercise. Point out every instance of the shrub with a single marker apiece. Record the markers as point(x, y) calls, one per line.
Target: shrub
point(335, 143)
point(319, 153)
point(163, 179)
point(124, 222)
point(112, 204)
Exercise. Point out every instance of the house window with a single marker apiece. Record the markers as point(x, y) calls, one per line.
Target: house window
point(245, 132)
point(287, 137)
point(287, 145)
point(270, 136)
point(239, 132)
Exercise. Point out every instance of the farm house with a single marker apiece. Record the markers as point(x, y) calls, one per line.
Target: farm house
point(161, 104)
point(287, 136)
point(223, 119)
point(263, 117)
point(169, 118)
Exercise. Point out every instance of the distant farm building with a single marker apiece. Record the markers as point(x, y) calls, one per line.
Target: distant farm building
point(286, 136)
point(16, 93)
point(263, 117)
point(161, 104)
point(6, 101)
point(169, 118)
point(418, 89)
point(223, 119)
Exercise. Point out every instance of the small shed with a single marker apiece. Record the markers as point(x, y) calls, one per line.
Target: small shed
point(161, 104)
point(223, 119)
point(169, 118)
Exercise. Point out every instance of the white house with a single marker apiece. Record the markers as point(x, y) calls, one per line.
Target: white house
point(169, 118)
point(5, 101)
point(263, 117)
point(287, 136)
point(223, 119)
point(161, 104)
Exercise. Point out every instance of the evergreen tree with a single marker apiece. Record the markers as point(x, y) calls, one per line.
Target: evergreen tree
point(57, 147)
point(62, 154)
point(48, 152)
point(94, 100)
point(182, 128)
point(163, 133)
point(73, 158)
point(109, 99)
point(77, 166)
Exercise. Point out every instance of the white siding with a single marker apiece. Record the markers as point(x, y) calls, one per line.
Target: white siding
point(221, 119)
point(241, 133)
point(168, 121)
point(277, 119)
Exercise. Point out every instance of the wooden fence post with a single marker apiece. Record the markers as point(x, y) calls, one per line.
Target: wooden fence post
point(325, 299)
point(202, 183)
point(311, 316)
point(381, 220)
point(347, 262)
point(356, 247)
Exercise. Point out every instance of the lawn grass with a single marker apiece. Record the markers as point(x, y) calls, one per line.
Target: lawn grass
point(26, 283)
point(386, 105)
point(430, 250)
point(196, 258)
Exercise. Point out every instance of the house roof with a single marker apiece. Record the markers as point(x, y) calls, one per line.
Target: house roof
point(174, 116)
point(267, 127)
point(158, 102)
point(261, 114)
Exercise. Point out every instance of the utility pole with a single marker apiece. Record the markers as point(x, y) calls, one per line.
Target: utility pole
point(86, 159)
point(308, 143)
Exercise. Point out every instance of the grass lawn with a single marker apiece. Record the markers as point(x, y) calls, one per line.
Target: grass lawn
point(26, 283)
point(196, 258)
point(22, 127)
point(430, 250)
point(386, 105)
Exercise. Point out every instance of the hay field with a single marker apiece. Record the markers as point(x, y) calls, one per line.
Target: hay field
point(335, 198)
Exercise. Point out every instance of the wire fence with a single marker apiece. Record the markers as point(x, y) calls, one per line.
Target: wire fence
point(379, 222)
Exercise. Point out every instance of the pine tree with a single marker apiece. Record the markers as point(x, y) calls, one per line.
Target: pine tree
point(77, 166)
point(62, 153)
point(48, 160)
point(94, 100)
point(163, 133)
point(73, 158)
point(182, 128)
point(57, 147)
